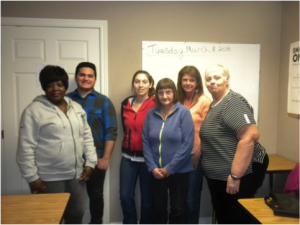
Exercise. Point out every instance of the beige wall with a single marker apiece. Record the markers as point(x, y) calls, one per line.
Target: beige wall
point(129, 23)
point(287, 128)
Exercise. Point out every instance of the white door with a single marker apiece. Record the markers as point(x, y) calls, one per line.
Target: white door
point(23, 50)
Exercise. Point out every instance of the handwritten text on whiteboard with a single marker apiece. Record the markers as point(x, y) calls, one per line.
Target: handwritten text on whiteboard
point(154, 49)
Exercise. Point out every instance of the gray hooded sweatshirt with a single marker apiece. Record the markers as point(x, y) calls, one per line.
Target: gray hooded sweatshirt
point(52, 143)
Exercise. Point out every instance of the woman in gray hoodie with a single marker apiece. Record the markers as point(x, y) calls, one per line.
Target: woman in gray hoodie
point(56, 151)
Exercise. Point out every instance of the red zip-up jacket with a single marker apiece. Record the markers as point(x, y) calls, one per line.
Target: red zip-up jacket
point(133, 126)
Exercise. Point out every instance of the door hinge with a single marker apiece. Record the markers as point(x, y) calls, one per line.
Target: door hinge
point(2, 134)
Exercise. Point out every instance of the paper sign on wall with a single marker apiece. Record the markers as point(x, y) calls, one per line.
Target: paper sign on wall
point(294, 81)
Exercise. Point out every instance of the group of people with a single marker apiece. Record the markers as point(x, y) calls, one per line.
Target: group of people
point(173, 136)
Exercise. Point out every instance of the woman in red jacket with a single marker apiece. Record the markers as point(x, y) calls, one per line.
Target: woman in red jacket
point(134, 110)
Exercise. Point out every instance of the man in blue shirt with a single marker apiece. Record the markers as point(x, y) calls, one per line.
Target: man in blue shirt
point(101, 116)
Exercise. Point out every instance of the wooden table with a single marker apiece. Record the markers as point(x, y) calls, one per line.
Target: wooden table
point(33, 208)
point(263, 213)
point(278, 164)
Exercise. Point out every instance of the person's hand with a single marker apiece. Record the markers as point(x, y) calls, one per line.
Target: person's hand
point(233, 186)
point(86, 173)
point(103, 164)
point(164, 172)
point(37, 186)
point(157, 174)
point(195, 159)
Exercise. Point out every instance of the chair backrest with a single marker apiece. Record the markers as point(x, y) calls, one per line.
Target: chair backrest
point(292, 182)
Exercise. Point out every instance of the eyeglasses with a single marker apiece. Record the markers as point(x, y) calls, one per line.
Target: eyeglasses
point(162, 93)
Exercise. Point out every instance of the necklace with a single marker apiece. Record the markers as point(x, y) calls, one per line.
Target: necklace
point(212, 106)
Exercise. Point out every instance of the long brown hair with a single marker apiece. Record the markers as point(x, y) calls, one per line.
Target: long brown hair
point(151, 91)
point(194, 72)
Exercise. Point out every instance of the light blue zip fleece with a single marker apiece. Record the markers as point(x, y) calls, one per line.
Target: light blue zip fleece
point(168, 142)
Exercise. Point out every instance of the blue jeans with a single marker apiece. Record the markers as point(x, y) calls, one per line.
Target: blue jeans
point(75, 208)
point(129, 173)
point(94, 188)
point(193, 196)
point(175, 187)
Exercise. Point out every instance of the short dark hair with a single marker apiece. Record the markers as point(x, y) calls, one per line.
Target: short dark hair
point(164, 84)
point(151, 91)
point(51, 74)
point(86, 64)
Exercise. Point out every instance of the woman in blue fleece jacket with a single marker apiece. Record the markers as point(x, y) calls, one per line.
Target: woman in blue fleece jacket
point(168, 138)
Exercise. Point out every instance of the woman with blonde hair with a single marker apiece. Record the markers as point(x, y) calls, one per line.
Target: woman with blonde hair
point(234, 163)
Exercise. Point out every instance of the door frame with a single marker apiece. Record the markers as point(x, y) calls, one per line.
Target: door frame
point(101, 25)
point(2, 167)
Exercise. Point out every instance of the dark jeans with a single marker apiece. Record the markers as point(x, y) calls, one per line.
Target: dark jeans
point(95, 193)
point(176, 185)
point(130, 171)
point(75, 208)
point(227, 208)
point(193, 196)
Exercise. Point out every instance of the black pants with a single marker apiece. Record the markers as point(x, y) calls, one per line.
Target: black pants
point(176, 185)
point(95, 193)
point(227, 208)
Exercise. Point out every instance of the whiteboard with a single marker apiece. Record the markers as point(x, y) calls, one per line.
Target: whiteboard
point(166, 59)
